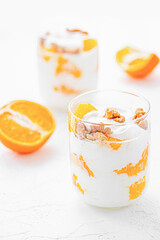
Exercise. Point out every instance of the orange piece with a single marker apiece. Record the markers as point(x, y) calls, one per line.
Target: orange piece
point(132, 170)
point(90, 173)
point(136, 63)
point(89, 44)
point(83, 109)
point(46, 58)
point(77, 184)
point(136, 189)
point(64, 65)
point(25, 126)
point(66, 90)
point(69, 122)
point(115, 142)
point(80, 162)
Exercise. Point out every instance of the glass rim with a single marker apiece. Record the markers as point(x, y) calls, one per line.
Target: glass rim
point(132, 121)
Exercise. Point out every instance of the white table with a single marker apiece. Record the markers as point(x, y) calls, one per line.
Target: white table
point(37, 201)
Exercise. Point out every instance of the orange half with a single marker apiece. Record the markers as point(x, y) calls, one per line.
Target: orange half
point(136, 63)
point(25, 126)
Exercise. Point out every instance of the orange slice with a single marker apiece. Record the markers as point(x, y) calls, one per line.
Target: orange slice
point(83, 109)
point(136, 63)
point(25, 126)
point(89, 44)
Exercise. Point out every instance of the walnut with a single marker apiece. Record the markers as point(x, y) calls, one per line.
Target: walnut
point(100, 128)
point(96, 136)
point(120, 119)
point(138, 113)
point(143, 124)
point(81, 130)
point(112, 114)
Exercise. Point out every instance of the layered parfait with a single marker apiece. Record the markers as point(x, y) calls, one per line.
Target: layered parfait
point(109, 145)
point(68, 63)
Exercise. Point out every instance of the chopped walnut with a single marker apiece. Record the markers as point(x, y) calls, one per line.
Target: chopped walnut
point(59, 49)
point(96, 136)
point(81, 130)
point(112, 114)
point(100, 128)
point(138, 113)
point(120, 119)
point(143, 124)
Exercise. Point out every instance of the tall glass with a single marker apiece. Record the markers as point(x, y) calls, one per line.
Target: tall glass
point(67, 66)
point(110, 162)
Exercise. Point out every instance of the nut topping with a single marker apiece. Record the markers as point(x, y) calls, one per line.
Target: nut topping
point(141, 123)
point(112, 114)
point(138, 113)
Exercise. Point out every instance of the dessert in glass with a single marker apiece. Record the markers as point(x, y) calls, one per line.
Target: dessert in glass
point(109, 145)
point(67, 64)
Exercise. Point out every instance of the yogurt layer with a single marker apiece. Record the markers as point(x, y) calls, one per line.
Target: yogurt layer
point(110, 171)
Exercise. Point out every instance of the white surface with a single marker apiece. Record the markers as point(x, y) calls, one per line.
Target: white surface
point(37, 201)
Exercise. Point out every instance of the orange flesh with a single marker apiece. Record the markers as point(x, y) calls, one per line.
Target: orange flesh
point(77, 184)
point(25, 126)
point(89, 44)
point(69, 122)
point(35, 112)
point(140, 67)
point(136, 189)
point(61, 67)
point(132, 170)
point(16, 131)
point(83, 109)
point(66, 90)
point(79, 161)
point(115, 144)
point(90, 173)
point(46, 58)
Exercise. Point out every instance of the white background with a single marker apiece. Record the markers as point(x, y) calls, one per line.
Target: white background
point(37, 201)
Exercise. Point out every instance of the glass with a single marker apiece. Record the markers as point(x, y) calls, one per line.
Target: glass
point(109, 162)
point(67, 66)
